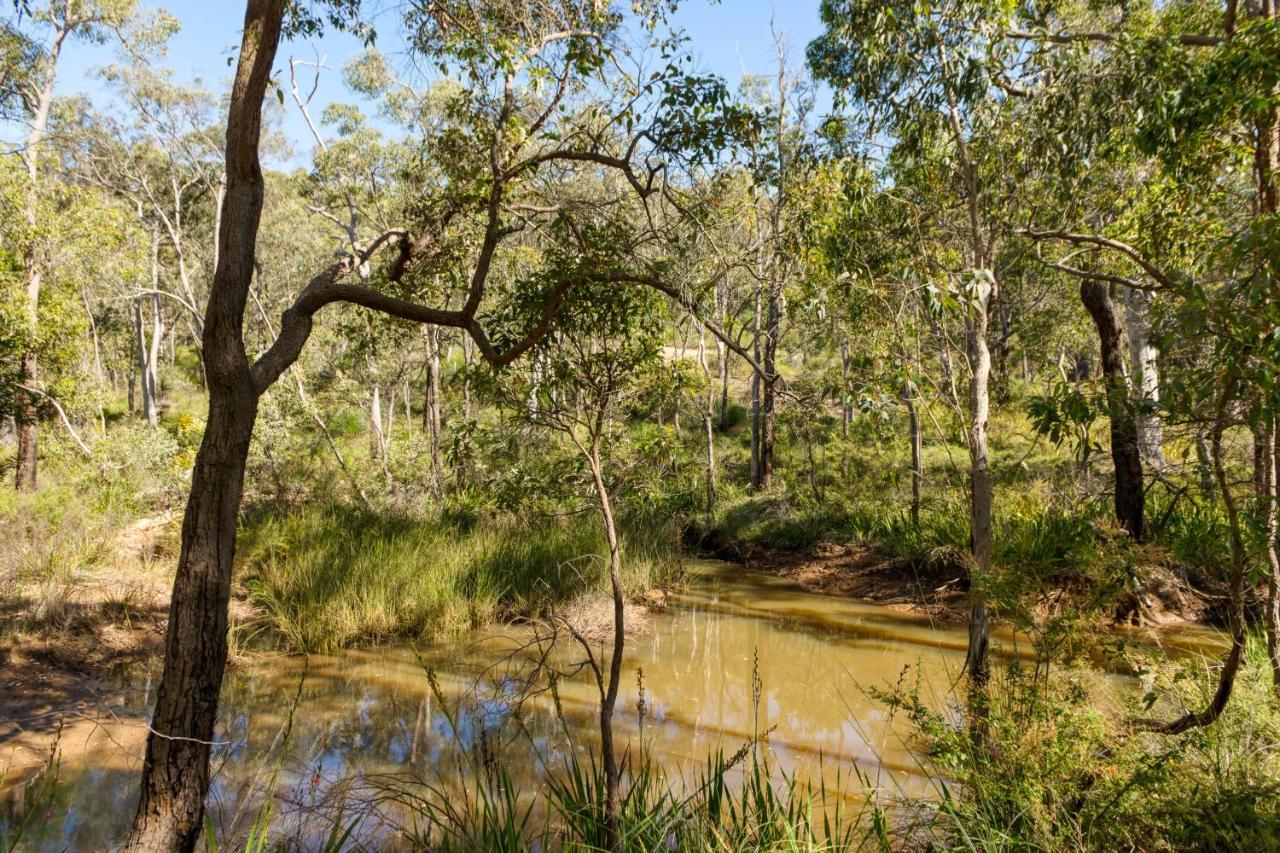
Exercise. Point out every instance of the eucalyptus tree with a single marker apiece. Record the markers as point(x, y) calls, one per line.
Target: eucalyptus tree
point(162, 153)
point(57, 22)
point(81, 228)
point(1191, 89)
point(601, 346)
point(542, 107)
point(156, 152)
point(778, 160)
point(930, 74)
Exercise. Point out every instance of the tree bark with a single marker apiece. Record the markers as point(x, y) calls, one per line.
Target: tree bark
point(757, 344)
point(1145, 372)
point(722, 351)
point(768, 396)
point(144, 367)
point(377, 439)
point(708, 428)
point(1125, 453)
point(609, 697)
point(1271, 516)
point(1266, 165)
point(28, 426)
point(846, 409)
point(431, 411)
point(28, 413)
point(175, 773)
point(980, 497)
point(917, 448)
point(977, 320)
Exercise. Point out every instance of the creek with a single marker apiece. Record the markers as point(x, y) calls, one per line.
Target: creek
point(735, 655)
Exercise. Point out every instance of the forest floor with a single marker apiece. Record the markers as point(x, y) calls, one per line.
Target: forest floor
point(68, 641)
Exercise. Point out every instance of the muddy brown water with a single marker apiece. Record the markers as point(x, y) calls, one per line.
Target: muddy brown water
point(737, 655)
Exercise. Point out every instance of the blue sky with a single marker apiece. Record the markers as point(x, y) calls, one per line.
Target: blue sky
point(727, 38)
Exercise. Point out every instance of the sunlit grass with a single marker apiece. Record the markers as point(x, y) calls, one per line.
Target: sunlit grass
point(331, 575)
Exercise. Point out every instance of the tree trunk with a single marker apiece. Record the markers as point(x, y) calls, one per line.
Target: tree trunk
point(768, 401)
point(144, 367)
point(28, 413)
point(846, 407)
point(1125, 453)
point(390, 431)
point(377, 441)
point(609, 696)
point(431, 410)
point(98, 373)
point(175, 773)
point(28, 426)
point(468, 359)
point(1266, 165)
point(1145, 373)
point(153, 357)
point(722, 353)
point(980, 498)
point(756, 478)
point(979, 355)
point(1271, 515)
point(917, 448)
point(708, 429)
point(149, 348)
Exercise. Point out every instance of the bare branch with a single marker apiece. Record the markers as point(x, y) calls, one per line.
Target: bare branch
point(1164, 279)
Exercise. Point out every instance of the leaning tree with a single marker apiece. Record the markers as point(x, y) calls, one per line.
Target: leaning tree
point(545, 103)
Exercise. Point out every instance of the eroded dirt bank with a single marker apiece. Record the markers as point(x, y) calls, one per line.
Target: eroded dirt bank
point(935, 582)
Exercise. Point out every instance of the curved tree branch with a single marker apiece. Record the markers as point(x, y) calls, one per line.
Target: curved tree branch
point(1157, 274)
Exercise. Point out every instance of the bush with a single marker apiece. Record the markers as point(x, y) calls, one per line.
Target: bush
point(1067, 771)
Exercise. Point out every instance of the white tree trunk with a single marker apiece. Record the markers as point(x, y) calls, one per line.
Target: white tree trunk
point(377, 443)
point(431, 413)
point(1145, 377)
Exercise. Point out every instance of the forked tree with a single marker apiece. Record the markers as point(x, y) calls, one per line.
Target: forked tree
point(540, 110)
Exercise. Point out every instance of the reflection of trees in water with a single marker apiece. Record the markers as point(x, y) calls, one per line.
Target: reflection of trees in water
point(370, 738)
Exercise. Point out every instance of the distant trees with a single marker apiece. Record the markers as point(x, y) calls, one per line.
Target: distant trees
point(59, 22)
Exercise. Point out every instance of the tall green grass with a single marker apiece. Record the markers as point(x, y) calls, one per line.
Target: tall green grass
point(332, 575)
